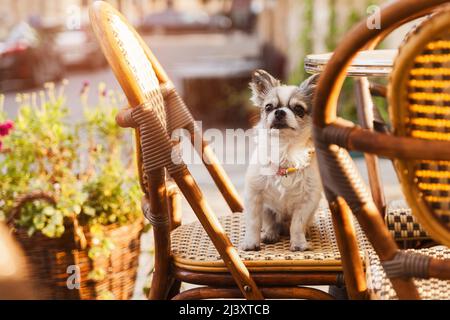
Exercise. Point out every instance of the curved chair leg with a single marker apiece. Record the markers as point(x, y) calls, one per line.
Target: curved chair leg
point(216, 233)
point(271, 293)
point(339, 293)
point(365, 110)
point(156, 212)
point(373, 225)
point(157, 290)
point(348, 246)
point(338, 167)
point(174, 289)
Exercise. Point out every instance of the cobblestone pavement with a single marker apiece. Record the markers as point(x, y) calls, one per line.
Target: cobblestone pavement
point(175, 53)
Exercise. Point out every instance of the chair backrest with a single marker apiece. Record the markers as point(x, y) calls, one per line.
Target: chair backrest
point(144, 80)
point(127, 57)
point(126, 54)
point(419, 100)
point(157, 110)
point(344, 188)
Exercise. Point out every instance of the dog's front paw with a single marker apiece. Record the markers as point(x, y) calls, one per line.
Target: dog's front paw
point(300, 246)
point(270, 237)
point(250, 245)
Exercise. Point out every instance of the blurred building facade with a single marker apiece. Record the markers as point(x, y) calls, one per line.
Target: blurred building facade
point(286, 29)
point(294, 28)
point(13, 11)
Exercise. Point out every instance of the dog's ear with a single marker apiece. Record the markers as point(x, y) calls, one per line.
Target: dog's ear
point(262, 83)
point(308, 87)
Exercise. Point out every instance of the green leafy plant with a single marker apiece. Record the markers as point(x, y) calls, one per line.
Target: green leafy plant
point(339, 23)
point(87, 165)
point(305, 40)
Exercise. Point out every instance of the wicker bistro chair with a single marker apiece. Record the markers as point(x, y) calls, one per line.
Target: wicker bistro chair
point(202, 253)
point(419, 147)
point(401, 223)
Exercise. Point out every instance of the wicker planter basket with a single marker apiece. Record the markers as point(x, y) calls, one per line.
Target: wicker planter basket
point(50, 261)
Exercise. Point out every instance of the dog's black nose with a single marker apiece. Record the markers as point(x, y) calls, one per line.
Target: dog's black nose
point(280, 114)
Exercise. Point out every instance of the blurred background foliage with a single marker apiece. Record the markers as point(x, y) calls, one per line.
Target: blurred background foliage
point(88, 165)
point(218, 43)
point(337, 27)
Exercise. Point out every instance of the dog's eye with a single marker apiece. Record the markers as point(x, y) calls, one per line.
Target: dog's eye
point(299, 110)
point(269, 107)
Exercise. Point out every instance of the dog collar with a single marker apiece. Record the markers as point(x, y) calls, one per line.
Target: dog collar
point(286, 171)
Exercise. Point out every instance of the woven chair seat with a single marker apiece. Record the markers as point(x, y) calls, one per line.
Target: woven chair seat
point(429, 289)
point(402, 224)
point(194, 251)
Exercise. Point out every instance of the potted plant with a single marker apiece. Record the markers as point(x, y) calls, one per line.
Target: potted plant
point(69, 190)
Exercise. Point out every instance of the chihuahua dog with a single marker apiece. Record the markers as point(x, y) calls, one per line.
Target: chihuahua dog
point(282, 194)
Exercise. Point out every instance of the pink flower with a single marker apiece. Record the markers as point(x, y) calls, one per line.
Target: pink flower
point(6, 127)
point(85, 87)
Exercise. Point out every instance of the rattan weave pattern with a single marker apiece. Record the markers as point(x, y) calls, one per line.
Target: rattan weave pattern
point(178, 114)
point(150, 116)
point(402, 224)
point(156, 145)
point(429, 289)
point(138, 62)
point(429, 110)
point(191, 245)
point(340, 169)
point(163, 112)
point(419, 99)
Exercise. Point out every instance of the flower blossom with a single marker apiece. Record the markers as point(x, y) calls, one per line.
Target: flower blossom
point(6, 127)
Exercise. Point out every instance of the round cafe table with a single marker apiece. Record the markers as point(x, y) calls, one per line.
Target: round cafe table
point(373, 64)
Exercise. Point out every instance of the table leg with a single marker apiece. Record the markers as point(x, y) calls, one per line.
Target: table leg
point(364, 107)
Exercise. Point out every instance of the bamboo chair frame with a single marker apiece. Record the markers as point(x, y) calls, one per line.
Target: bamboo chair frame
point(154, 182)
point(161, 203)
point(364, 108)
point(364, 90)
point(344, 188)
point(369, 118)
point(435, 26)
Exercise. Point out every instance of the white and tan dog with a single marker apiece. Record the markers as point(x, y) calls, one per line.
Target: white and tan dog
point(283, 202)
